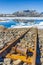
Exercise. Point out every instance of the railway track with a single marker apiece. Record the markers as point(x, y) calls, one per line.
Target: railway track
point(19, 34)
point(25, 49)
point(40, 47)
point(22, 46)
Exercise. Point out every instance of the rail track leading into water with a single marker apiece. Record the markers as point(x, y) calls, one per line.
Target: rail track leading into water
point(23, 47)
point(29, 44)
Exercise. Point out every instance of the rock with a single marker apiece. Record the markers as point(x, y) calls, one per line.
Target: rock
point(1, 63)
point(7, 60)
point(25, 64)
point(17, 62)
point(40, 36)
point(41, 59)
point(1, 44)
point(6, 64)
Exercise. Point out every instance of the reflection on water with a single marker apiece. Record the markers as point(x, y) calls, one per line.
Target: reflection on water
point(18, 23)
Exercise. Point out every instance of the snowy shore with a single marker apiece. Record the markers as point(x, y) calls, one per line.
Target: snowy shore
point(37, 26)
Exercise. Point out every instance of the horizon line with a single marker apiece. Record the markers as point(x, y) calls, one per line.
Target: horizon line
point(21, 11)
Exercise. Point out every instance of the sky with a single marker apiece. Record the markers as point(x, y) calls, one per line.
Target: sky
point(10, 6)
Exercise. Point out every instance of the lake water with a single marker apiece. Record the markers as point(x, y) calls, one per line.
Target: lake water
point(12, 23)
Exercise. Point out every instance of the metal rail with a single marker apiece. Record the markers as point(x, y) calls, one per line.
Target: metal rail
point(4, 51)
point(29, 60)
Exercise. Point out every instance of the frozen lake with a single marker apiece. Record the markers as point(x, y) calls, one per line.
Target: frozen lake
point(13, 23)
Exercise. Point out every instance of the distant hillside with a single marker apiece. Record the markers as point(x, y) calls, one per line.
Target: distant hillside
point(24, 13)
point(28, 13)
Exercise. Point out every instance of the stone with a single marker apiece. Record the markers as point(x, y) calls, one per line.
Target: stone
point(7, 60)
point(25, 64)
point(17, 62)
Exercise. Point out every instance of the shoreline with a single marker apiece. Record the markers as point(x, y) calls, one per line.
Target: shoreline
point(37, 26)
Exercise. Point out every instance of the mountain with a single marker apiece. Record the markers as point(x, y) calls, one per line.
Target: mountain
point(27, 13)
point(24, 13)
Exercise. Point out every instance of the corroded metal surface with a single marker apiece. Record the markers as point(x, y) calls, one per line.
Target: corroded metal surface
point(29, 41)
point(40, 47)
point(10, 36)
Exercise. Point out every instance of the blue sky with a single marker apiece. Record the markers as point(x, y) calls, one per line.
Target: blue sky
point(10, 6)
